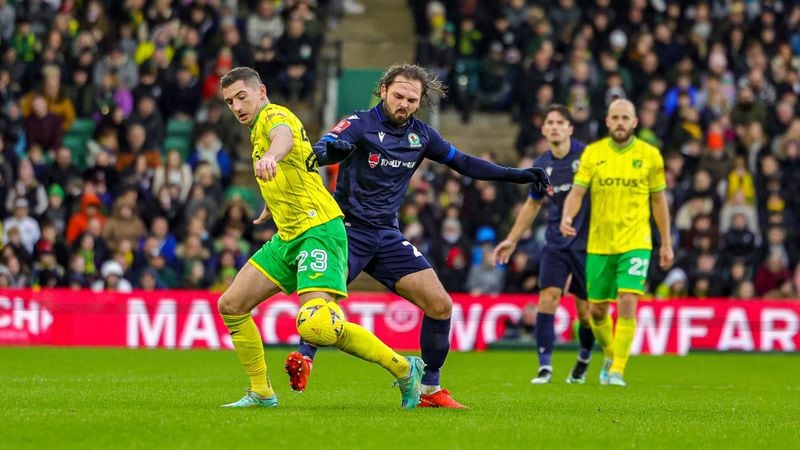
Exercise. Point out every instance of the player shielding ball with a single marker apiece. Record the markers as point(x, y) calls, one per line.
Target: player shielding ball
point(307, 255)
point(379, 150)
point(563, 258)
point(625, 177)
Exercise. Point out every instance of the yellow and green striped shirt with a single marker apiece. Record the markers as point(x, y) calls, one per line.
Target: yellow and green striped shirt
point(620, 181)
point(297, 197)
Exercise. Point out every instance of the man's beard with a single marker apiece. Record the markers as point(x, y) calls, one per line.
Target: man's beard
point(626, 135)
point(394, 119)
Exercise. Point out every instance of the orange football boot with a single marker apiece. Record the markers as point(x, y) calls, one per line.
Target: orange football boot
point(299, 369)
point(439, 399)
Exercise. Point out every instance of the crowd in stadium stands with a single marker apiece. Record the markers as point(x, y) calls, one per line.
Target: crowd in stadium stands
point(117, 151)
point(716, 85)
point(118, 155)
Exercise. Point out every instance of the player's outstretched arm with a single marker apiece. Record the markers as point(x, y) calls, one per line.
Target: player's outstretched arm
point(503, 251)
point(572, 205)
point(658, 202)
point(480, 169)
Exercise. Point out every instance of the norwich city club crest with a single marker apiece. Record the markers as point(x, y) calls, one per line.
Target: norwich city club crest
point(637, 163)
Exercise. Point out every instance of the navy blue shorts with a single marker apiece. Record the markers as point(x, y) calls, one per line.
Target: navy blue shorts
point(557, 264)
point(385, 254)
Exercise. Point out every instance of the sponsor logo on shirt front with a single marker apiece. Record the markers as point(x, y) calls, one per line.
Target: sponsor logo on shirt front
point(375, 160)
point(623, 182)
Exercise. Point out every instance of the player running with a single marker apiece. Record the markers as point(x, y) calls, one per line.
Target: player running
point(626, 179)
point(379, 150)
point(562, 257)
point(307, 255)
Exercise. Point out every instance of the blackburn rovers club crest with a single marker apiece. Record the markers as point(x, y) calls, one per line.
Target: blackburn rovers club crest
point(374, 159)
point(413, 140)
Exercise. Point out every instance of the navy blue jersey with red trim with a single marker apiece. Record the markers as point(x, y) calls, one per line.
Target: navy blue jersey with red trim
point(373, 180)
point(561, 172)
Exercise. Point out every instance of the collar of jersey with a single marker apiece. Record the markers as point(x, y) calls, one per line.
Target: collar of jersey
point(378, 109)
point(257, 117)
point(621, 150)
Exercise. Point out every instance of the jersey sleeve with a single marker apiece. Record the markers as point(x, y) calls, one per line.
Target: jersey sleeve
point(347, 129)
point(583, 177)
point(658, 181)
point(439, 149)
point(273, 119)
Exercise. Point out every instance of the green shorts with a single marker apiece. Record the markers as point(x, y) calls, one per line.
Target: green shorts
point(314, 261)
point(606, 275)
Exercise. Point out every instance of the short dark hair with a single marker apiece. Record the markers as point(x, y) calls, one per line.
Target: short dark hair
point(246, 74)
point(561, 109)
point(430, 84)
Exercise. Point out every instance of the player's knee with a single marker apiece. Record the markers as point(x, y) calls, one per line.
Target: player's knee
point(320, 322)
point(598, 314)
point(227, 305)
point(439, 308)
point(549, 299)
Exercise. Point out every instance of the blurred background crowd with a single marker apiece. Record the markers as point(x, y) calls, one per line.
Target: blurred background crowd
point(121, 167)
point(716, 85)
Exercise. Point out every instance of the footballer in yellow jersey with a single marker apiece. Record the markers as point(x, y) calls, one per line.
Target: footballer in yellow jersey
point(621, 180)
point(626, 180)
point(295, 195)
point(308, 255)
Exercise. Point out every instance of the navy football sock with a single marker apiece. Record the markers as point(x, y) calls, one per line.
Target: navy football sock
point(307, 350)
point(434, 340)
point(545, 337)
point(586, 340)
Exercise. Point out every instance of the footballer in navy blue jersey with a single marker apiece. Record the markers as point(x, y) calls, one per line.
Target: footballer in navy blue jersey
point(379, 149)
point(563, 259)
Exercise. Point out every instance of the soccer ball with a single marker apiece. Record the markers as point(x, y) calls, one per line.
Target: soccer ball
point(320, 322)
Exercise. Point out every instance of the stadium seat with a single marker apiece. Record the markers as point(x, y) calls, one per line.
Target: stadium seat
point(82, 127)
point(249, 195)
point(77, 144)
point(180, 128)
point(180, 143)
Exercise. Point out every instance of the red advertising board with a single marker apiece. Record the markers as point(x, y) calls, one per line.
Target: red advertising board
point(188, 319)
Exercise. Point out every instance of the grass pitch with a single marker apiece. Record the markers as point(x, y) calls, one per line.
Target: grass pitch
point(117, 398)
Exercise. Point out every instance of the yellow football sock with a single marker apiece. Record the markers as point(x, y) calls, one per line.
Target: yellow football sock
point(358, 341)
point(623, 339)
point(603, 333)
point(250, 349)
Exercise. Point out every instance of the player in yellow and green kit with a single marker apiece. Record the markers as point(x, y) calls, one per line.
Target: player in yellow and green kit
point(626, 178)
point(307, 255)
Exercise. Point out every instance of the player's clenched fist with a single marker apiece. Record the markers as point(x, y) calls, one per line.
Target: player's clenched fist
point(266, 168)
point(339, 149)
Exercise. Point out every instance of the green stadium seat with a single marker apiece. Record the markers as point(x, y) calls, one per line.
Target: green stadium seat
point(181, 128)
point(250, 196)
point(77, 144)
point(180, 143)
point(82, 127)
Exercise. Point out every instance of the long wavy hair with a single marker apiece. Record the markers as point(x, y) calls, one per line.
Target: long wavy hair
point(431, 86)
